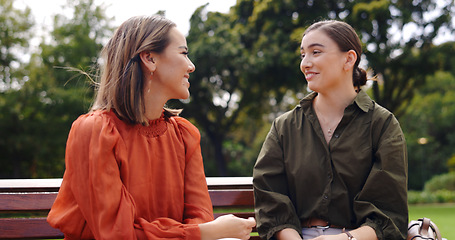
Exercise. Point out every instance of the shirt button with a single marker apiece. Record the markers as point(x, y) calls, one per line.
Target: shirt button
point(336, 136)
point(325, 196)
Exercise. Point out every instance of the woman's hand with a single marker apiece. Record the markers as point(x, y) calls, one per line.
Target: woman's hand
point(227, 226)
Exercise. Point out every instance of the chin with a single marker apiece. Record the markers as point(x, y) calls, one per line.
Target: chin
point(184, 95)
point(312, 88)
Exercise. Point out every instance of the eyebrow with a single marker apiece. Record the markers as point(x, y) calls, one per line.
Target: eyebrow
point(313, 45)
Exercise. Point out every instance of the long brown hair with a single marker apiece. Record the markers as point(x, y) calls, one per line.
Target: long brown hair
point(347, 39)
point(122, 79)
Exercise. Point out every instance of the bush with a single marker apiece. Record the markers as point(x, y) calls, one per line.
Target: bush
point(440, 196)
point(441, 182)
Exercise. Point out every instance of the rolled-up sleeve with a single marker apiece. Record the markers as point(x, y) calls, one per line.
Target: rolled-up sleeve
point(382, 203)
point(273, 208)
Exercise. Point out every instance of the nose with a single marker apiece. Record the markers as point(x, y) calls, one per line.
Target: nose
point(191, 67)
point(304, 64)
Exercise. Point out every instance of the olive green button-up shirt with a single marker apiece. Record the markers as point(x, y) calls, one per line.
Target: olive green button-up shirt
point(359, 178)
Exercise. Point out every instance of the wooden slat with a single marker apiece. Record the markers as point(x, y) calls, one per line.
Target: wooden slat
point(26, 201)
point(20, 228)
point(229, 182)
point(44, 201)
point(30, 185)
point(53, 184)
point(232, 198)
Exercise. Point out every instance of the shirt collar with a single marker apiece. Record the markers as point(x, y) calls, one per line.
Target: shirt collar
point(362, 100)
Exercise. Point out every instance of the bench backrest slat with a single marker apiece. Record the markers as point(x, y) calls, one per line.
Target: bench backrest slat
point(10, 202)
point(20, 228)
point(228, 198)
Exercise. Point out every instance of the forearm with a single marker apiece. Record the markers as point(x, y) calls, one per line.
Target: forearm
point(363, 233)
point(227, 226)
point(287, 233)
point(209, 231)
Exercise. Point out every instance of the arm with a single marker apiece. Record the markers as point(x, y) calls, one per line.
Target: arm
point(227, 226)
point(274, 209)
point(382, 203)
point(198, 206)
point(287, 233)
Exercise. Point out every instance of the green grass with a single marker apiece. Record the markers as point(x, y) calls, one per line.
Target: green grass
point(443, 215)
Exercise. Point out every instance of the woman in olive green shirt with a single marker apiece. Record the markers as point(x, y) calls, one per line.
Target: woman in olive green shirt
point(338, 160)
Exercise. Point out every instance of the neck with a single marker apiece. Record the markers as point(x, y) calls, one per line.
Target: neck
point(153, 106)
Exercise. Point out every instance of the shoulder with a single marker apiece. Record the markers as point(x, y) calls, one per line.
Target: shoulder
point(97, 122)
point(289, 118)
point(185, 127)
point(385, 126)
point(296, 115)
point(382, 115)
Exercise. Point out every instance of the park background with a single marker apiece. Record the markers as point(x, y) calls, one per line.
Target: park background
point(247, 73)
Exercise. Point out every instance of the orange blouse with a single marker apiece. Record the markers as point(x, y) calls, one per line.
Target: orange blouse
point(126, 181)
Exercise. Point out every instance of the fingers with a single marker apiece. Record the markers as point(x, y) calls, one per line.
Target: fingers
point(251, 221)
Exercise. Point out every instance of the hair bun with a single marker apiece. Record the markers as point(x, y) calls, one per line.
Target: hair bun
point(360, 77)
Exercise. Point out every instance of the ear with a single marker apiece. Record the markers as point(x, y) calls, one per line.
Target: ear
point(148, 60)
point(351, 58)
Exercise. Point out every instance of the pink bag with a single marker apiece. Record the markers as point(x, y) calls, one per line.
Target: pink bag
point(423, 228)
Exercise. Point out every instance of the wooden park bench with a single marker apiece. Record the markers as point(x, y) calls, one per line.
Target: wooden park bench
point(31, 199)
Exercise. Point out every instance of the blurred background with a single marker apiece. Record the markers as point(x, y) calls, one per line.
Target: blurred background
point(247, 73)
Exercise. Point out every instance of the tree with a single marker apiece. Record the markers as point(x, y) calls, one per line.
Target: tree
point(14, 35)
point(398, 37)
point(428, 120)
point(38, 116)
point(429, 129)
point(248, 60)
point(223, 95)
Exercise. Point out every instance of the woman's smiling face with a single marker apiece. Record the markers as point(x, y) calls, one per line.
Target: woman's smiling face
point(173, 67)
point(322, 61)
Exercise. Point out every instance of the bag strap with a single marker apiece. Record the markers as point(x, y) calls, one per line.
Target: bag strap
point(436, 229)
point(426, 224)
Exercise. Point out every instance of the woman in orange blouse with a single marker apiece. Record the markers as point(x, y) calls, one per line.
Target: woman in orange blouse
point(134, 168)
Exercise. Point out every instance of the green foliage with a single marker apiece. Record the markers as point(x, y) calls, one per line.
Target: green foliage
point(439, 189)
point(430, 116)
point(439, 196)
point(401, 60)
point(15, 32)
point(441, 182)
point(227, 93)
point(451, 164)
point(36, 118)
